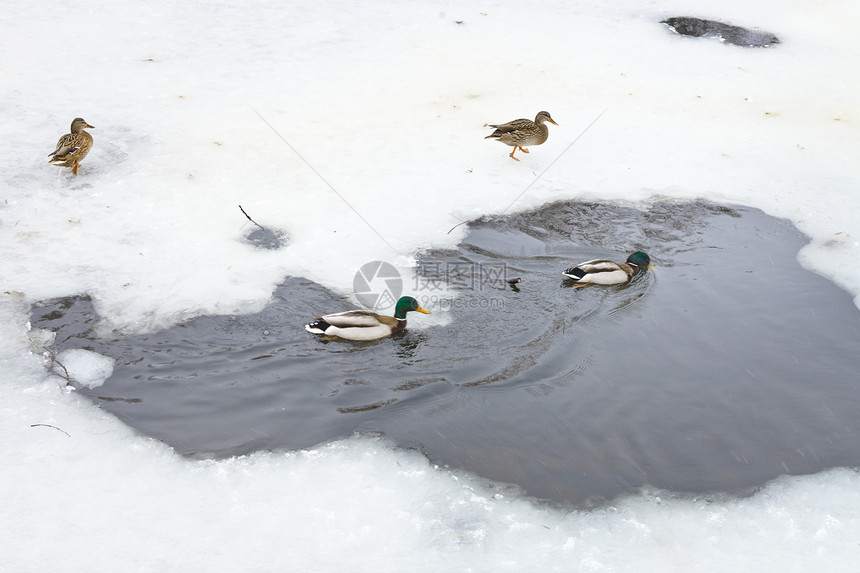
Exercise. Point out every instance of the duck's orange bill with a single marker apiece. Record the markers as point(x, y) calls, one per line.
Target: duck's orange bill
point(422, 310)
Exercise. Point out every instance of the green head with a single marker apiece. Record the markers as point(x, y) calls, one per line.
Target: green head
point(407, 304)
point(640, 259)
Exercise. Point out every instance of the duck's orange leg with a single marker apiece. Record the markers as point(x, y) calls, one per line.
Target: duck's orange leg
point(523, 149)
point(512, 153)
point(75, 168)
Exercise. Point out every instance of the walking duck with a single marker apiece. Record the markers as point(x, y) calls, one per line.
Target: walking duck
point(521, 133)
point(73, 147)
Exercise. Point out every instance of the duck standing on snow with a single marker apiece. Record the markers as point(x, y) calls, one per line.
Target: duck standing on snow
point(521, 133)
point(606, 272)
point(365, 324)
point(73, 147)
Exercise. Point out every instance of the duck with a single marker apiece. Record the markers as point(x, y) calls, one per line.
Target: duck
point(365, 324)
point(606, 272)
point(73, 147)
point(521, 133)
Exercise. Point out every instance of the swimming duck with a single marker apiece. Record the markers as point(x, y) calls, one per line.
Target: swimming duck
point(521, 133)
point(365, 324)
point(73, 147)
point(606, 272)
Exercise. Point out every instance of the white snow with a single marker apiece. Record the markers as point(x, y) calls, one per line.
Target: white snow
point(84, 367)
point(357, 128)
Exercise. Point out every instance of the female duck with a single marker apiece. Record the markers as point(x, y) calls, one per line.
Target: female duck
point(73, 147)
point(365, 324)
point(521, 133)
point(606, 272)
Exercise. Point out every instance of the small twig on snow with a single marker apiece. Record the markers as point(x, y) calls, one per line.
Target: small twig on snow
point(50, 426)
point(66, 370)
point(250, 219)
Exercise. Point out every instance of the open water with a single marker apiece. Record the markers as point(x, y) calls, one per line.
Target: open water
point(726, 365)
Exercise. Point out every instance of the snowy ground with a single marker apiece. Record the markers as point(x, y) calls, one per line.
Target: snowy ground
point(358, 130)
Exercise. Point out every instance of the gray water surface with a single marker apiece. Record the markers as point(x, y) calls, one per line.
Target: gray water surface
point(725, 366)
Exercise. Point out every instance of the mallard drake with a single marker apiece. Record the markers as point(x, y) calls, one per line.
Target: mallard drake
point(73, 147)
point(606, 272)
point(365, 324)
point(521, 133)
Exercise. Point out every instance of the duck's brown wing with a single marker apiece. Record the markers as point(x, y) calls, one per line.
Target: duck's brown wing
point(359, 318)
point(599, 266)
point(510, 127)
point(69, 143)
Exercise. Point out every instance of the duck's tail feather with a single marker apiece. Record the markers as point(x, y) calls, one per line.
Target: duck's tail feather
point(575, 273)
point(317, 327)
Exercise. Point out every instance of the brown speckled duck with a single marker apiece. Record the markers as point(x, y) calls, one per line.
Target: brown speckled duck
point(73, 147)
point(521, 133)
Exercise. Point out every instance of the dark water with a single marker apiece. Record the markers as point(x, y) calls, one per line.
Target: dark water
point(725, 366)
point(697, 27)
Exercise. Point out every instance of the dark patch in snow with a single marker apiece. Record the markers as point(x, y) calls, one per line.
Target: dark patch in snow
point(736, 35)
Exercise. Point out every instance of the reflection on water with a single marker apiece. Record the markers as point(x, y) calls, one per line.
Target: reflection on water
point(725, 366)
